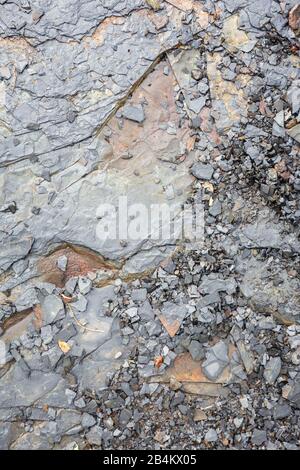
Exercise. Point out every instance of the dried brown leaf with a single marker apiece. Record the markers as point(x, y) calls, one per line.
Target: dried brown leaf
point(65, 347)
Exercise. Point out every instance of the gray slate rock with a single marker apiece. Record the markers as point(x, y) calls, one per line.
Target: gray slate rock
point(282, 411)
point(87, 420)
point(94, 436)
point(202, 171)
point(272, 370)
point(6, 435)
point(258, 437)
point(80, 304)
point(139, 295)
point(134, 113)
point(19, 389)
point(125, 417)
point(216, 360)
point(294, 394)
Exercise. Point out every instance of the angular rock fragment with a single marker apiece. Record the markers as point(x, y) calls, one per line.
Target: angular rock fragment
point(294, 132)
point(62, 262)
point(133, 113)
point(81, 303)
point(229, 104)
point(171, 316)
point(294, 391)
point(91, 373)
point(31, 441)
point(293, 96)
point(272, 369)
point(14, 249)
point(259, 436)
point(211, 435)
point(84, 285)
point(196, 350)
point(235, 38)
point(202, 171)
point(282, 411)
point(266, 294)
point(246, 356)
point(19, 389)
point(94, 436)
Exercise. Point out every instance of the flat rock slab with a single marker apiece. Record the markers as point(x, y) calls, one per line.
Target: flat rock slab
point(157, 173)
point(280, 299)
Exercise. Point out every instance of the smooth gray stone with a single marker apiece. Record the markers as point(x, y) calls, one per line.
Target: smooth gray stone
point(134, 113)
point(19, 389)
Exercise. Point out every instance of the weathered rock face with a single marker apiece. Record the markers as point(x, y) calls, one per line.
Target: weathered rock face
point(63, 154)
point(113, 332)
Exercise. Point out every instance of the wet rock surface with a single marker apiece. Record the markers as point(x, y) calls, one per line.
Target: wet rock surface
point(152, 343)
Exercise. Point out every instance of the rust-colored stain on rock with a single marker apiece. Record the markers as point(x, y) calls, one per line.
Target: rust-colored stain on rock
point(185, 369)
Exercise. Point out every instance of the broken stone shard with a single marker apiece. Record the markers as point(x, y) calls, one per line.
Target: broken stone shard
point(294, 391)
point(19, 389)
point(196, 350)
point(294, 18)
point(272, 369)
point(133, 113)
point(84, 285)
point(114, 342)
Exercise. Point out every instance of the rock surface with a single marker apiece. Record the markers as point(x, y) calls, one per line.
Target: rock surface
point(139, 338)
